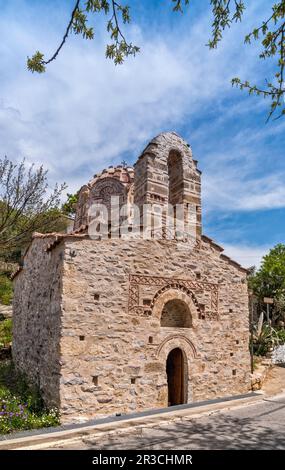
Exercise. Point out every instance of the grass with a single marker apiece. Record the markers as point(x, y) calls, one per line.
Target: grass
point(5, 332)
point(21, 407)
point(6, 289)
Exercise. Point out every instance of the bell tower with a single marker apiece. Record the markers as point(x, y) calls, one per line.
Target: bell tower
point(166, 174)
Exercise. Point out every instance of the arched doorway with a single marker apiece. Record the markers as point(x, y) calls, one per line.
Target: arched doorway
point(176, 377)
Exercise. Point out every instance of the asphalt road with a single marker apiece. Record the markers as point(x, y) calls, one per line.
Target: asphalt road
point(255, 426)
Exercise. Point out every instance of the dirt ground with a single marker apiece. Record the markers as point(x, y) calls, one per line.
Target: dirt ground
point(275, 381)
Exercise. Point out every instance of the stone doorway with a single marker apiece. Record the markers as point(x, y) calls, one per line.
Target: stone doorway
point(175, 370)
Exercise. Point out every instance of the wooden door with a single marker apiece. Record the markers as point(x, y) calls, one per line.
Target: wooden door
point(175, 377)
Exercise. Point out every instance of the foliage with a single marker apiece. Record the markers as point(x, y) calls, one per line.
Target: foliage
point(267, 339)
point(69, 207)
point(21, 406)
point(270, 34)
point(269, 281)
point(78, 24)
point(6, 289)
point(5, 332)
point(255, 363)
point(26, 205)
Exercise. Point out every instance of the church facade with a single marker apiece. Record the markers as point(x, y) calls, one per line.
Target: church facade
point(117, 324)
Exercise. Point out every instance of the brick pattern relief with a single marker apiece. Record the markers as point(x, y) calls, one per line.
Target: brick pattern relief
point(189, 286)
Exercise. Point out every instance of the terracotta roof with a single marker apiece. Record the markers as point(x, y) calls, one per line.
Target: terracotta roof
point(124, 174)
point(57, 238)
point(82, 233)
point(222, 256)
point(212, 242)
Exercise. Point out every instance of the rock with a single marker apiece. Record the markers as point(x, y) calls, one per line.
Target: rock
point(6, 311)
point(278, 354)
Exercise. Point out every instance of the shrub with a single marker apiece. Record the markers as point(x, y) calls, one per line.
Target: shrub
point(5, 332)
point(21, 406)
point(6, 289)
point(268, 338)
point(281, 336)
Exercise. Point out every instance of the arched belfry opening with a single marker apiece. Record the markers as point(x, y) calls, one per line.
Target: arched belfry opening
point(166, 174)
point(176, 314)
point(175, 178)
point(176, 369)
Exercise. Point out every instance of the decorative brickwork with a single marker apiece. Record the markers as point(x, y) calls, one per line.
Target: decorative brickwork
point(189, 286)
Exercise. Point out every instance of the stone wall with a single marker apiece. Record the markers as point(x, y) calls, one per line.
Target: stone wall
point(37, 318)
point(113, 349)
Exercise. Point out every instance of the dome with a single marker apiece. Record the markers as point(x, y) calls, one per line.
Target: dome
point(124, 174)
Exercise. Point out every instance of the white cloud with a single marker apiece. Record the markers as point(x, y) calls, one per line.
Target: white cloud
point(247, 171)
point(84, 113)
point(246, 255)
point(233, 190)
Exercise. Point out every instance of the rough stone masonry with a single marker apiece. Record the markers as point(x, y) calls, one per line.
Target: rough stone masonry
point(119, 325)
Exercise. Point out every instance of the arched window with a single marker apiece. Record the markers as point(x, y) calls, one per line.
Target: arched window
point(175, 178)
point(176, 314)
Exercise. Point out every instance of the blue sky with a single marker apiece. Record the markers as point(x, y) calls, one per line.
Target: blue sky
point(85, 113)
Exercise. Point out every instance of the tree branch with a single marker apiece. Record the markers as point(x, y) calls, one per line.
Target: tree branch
point(114, 7)
point(37, 62)
point(54, 56)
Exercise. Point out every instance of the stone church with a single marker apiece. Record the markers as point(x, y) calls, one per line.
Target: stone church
point(116, 325)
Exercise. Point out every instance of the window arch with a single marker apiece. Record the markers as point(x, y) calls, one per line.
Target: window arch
point(176, 314)
point(175, 177)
